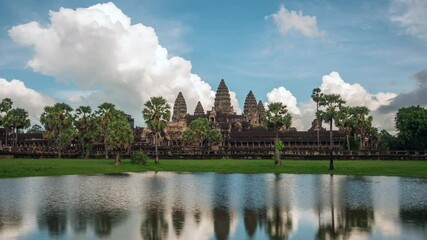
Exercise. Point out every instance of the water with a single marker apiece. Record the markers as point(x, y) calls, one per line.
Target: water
point(213, 206)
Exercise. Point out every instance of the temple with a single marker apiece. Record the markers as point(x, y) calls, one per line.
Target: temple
point(243, 135)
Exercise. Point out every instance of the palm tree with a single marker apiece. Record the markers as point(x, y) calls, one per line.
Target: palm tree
point(18, 118)
point(5, 107)
point(104, 116)
point(363, 123)
point(316, 95)
point(156, 114)
point(58, 124)
point(84, 121)
point(345, 122)
point(276, 118)
point(331, 104)
point(120, 135)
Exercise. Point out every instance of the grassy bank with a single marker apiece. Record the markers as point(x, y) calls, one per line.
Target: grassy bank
point(52, 167)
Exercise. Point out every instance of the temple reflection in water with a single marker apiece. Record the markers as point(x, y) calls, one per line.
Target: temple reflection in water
point(213, 206)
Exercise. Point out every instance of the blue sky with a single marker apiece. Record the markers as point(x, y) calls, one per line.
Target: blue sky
point(241, 42)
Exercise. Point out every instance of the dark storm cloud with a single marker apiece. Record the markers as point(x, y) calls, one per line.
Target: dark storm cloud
point(418, 96)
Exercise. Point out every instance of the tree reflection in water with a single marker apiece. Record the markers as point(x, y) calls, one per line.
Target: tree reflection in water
point(354, 212)
point(279, 219)
point(155, 226)
point(221, 201)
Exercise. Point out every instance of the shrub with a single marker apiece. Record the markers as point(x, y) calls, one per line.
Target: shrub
point(139, 158)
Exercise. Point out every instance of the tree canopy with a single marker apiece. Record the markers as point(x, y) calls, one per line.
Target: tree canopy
point(411, 123)
point(201, 130)
point(156, 114)
point(58, 124)
point(277, 117)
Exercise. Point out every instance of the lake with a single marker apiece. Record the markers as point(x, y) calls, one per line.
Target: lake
point(168, 205)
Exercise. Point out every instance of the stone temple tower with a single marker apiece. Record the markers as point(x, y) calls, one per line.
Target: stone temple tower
point(179, 108)
point(250, 110)
point(222, 102)
point(199, 109)
point(261, 111)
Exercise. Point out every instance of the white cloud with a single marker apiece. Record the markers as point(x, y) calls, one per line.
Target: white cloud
point(99, 48)
point(411, 15)
point(354, 94)
point(357, 95)
point(287, 21)
point(24, 97)
point(281, 94)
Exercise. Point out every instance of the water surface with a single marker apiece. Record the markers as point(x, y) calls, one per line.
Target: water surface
point(213, 206)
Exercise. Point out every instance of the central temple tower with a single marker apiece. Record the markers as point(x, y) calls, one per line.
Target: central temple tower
point(222, 102)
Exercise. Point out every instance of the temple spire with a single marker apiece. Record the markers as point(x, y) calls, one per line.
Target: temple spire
point(179, 107)
point(199, 109)
point(222, 99)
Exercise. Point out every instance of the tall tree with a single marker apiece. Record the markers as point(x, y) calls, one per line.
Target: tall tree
point(316, 95)
point(411, 123)
point(58, 124)
point(156, 114)
point(120, 135)
point(5, 107)
point(201, 130)
point(276, 118)
point(331, 104)
point(362, 124)
point(345, 122)
point(104, 114)
point(86, 126)
point(17, 118)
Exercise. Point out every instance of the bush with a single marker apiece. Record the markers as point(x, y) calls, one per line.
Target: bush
point(139, 158)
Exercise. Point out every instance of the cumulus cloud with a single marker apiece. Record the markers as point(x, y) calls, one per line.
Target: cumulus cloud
point(288, 21)
point(99, 49)
point(356, 95)
point(281, 94)
point(411, 15)
point(414, 97)
point(24, 97)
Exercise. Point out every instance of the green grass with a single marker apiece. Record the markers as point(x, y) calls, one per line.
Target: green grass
point(51, 167)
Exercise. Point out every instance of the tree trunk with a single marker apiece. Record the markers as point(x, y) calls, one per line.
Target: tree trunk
point(105, 148)
point(331, 160)
point(318, 127)
point(59, 153)
point(118, 161)
point(277, 160)
point(348, 142)
point(157, 151)
point(5, 141)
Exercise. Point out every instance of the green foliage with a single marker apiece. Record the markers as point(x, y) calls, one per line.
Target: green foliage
point(58, 124)
point(139, 158)
point(35, 129)
point(331, 104)
point(156, 114)
point(280, 145)
point(87, 128)
point(388, 141)
point(201, 130)
point(277, 116)
point(120, 135)
point(411, 122)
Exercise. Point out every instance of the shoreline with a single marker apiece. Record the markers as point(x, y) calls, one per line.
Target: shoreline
point(12, 168)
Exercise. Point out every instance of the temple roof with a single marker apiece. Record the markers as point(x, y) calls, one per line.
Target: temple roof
point(179, 107)
point(199, 109)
